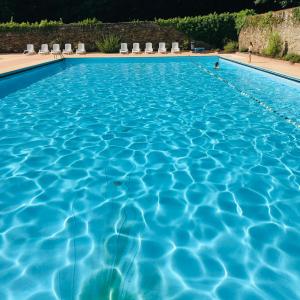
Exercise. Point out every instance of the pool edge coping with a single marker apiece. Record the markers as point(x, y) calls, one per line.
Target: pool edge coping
point(13, 72)
point(295, 79)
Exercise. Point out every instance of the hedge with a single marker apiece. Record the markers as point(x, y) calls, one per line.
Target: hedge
point(214, 29)
point(44, 24)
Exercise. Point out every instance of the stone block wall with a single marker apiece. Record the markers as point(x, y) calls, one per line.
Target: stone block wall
point(141, 32)
point(285, 24)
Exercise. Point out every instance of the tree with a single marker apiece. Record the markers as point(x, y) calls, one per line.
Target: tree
point(281, 3)
point(125, 10)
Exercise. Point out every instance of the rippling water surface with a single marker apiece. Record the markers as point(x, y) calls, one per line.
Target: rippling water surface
point(148, 179)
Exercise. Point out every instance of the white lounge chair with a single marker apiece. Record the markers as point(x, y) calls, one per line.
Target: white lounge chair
point(68, 49)
point(175, 47)
point(124, 48)
point(81, 49)
point(29, 50)
point(149, 48)
point(136, 48)
point(44, 49)
point(56, 49)
point(162, 48)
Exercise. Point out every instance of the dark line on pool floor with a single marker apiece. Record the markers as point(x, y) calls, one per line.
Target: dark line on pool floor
point(260, 102)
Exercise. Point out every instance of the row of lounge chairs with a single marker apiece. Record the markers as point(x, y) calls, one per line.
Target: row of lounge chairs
point(55, 49)
point(149, 48)
point(81, 49)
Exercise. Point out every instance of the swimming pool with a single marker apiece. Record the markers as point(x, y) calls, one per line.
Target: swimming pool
point(149, 178)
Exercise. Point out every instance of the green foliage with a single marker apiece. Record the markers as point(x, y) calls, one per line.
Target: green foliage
point(231, 47)
point(186, 45)
point(274, 47)
point(109, 44)
point(214, 29)
point(296, 14)
point(241, 17)
point(243, 49)
point(11, 25)
point(264, 21)
point(14, 26)
point(123, 10)
point(88, 21)
point(293, 58)
point(136, 21)
point(46, 23)
point(281, 3)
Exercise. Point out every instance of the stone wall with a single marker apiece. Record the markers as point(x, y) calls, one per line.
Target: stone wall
point(141, 32)
point(258, 30)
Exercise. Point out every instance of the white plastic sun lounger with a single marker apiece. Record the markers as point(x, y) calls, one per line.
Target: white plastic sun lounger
point(29, 50)
point(68, 49)
point(175, 47)
point(149, 48)
point(56, 49)
point(44, 49)
point(162, 48)
point(124, 48)
point(136, 48)
point(81, 49)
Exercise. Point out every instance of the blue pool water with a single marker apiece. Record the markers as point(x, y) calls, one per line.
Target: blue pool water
point(149, 179)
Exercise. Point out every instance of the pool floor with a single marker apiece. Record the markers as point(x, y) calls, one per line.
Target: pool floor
point(149, 178)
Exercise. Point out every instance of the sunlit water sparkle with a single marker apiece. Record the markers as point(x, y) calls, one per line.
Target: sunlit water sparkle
point(148, 179)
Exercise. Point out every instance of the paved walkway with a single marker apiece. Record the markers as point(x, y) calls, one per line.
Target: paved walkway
point(11, 62)
point(271, 64)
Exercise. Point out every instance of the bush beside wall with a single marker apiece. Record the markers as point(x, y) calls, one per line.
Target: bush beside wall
point(293, 58)
point(109, 44)
point(274, 47)
point(231, 47)
point(214, 29)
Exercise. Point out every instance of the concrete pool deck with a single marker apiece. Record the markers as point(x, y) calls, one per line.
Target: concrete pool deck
point(13, 62)
point(271, 64)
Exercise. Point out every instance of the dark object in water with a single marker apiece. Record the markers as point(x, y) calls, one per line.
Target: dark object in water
point(117, 183)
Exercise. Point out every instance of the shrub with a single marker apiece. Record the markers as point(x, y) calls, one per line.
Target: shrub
point(241, 18)
point(274, 46)
point(186, 45)
point(214, 29)
point(109, 44)
point(44, 24)
point(27, 26)
point(243, 49)
point(88, 21)
point(293, 58)
point(296, 14)
point(231, 47)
